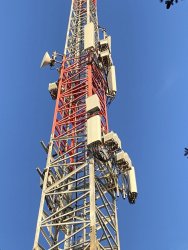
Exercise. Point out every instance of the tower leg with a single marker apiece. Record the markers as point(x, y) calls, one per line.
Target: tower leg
point(42, 201)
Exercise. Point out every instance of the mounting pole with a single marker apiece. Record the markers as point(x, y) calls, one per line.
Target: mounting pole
point(92, 205)
point(88, 11)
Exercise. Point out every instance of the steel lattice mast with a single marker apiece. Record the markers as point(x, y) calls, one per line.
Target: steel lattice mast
point(86, 169)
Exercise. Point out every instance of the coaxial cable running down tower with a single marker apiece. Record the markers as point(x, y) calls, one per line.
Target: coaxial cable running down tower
point(86, 169)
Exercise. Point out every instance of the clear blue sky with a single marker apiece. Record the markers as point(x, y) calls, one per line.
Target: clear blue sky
point(150, 51)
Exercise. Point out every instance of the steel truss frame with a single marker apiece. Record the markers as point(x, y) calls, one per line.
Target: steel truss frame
point(78, 202)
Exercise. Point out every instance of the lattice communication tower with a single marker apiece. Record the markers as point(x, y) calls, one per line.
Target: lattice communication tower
point(86, 169)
